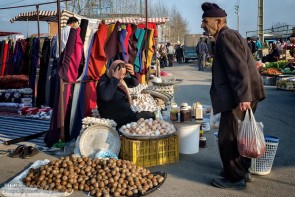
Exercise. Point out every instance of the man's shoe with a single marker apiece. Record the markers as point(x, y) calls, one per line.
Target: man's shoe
point(248, 177)
point(226, 184)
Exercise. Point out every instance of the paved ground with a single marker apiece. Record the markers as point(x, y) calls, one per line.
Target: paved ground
point(192, 175)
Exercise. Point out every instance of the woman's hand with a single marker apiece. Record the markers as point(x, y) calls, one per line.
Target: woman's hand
point(117, 73)
point(130, 69)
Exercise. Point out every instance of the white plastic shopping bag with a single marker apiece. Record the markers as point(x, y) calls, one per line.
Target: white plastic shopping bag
point(251, 142)
point(214, 120)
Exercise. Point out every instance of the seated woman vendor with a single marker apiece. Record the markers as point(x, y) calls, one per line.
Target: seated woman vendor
point(113, 98)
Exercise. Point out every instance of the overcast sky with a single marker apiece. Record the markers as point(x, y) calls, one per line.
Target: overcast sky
point(275, 11)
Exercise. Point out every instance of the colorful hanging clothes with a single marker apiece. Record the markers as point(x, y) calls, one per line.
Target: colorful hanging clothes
point(98, 58)
point(42, 73)
point(5, 52)
point(68, 71)
point(70, 61)
point(96, 67)
point(9, 66)
point(111, 47)
point(138, 61)
point(111, 28)
point(34, 62)
point(126, 41)
point(83, 27)
point(78, 102)
point(2, 43)
point(150, 26)
point(132, 47)
point(150, 49)
point(121, 45)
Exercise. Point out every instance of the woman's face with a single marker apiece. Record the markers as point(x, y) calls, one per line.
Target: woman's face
point(123, 73)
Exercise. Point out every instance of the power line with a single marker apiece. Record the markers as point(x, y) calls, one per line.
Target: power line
point(11, 3)
point(21, 6)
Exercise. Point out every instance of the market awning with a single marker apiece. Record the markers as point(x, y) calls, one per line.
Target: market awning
point(48, 16)
point(51, 16)
point(137, 20)
point(8, 33)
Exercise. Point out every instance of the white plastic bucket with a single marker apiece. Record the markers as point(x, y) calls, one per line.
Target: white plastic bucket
point(188, 137)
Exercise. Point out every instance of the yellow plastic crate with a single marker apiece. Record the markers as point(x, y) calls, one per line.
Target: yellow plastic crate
point(147, 153)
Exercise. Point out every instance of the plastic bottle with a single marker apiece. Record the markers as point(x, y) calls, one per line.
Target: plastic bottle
point(174, 112)
point(193, 110)
point(202, 141)
point(198, 111)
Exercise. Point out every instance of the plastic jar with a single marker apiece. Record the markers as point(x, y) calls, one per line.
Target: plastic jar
point(185, 114)
point(198, 111)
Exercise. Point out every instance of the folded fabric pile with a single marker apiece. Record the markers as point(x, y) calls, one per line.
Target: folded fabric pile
point(36, 113)
point(12, 100)
point(14, 81)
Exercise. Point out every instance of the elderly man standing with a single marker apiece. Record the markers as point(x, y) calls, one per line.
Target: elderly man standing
point(202, 50)
point(236, 86)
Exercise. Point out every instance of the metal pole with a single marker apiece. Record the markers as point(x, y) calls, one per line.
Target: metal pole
point(237, 8)
point(260, 20)
point(146, 49)
point(146, 13)
point(38, 22)
point(61, 103)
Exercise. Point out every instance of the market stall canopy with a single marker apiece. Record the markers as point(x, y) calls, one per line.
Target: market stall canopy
point(51, 16)
point(48, 16)
point(137, 20)
point(8, 33)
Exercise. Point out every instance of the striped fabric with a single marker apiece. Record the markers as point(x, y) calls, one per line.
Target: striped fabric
point(15, 127)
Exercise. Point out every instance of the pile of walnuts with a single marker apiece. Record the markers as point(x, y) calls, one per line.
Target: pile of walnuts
point(100, 177)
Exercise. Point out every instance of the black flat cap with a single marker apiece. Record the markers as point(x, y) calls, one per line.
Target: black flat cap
point(212, 10)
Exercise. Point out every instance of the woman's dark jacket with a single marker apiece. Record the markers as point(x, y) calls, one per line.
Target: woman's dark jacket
point(113, 102)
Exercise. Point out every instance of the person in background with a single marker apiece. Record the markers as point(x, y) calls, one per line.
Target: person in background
point(259, 49)
point(236, 87)
point(72, 22)
point(251, 46)
point(179, 54)
point(171, 52)
point(274, 54)
point(249, 43)
point(113, 97)
point(163, 56)
point(281, 47)
point(201, 50)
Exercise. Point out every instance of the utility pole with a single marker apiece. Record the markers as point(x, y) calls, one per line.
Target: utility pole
point(237, 11)
point(260, 22)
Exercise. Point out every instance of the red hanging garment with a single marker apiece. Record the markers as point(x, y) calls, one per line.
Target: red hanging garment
point(5, 51)
point(96, 67)
point(98, 56)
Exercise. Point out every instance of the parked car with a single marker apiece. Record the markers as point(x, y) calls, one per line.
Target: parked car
point(190, 54)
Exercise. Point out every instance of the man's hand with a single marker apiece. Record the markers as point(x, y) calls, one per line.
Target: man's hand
point(130, 69)
point(244, 106)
